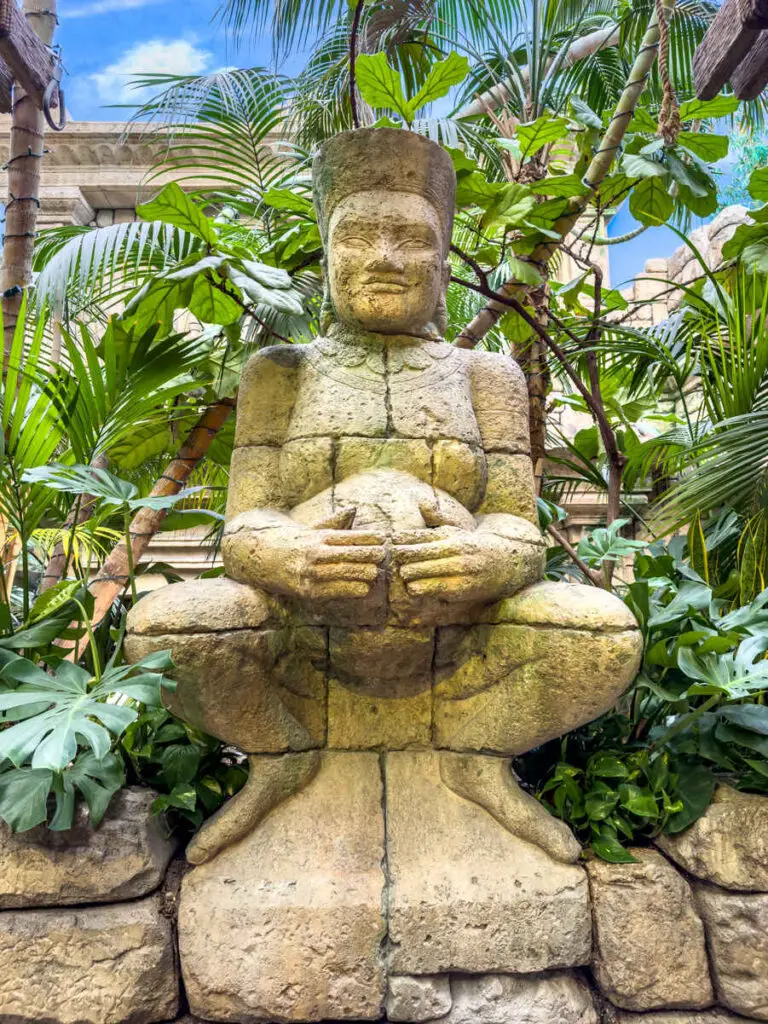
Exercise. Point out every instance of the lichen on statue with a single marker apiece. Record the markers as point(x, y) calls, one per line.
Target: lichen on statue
point(381, 548)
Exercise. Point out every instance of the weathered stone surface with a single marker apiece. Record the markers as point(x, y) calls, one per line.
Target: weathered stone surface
point(199, 606)
point(737, 936)
point(362, 721)
point(500, 398)
point(459, 470)
point(98, 965)
point(271, 780)
point(254, 480)
point(407, 454)
point(510, 687)
point(649, 942)
point(306, 467)
point(676, 1017)
point(465, 894)
point(509, 487)
point(287, 925)
point(421, 998)
point(124, 858)
point(558, 998)
point(728, 845)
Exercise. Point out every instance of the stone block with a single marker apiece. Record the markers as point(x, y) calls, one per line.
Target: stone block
point(306, 468)
point(715, 1016)
point(98, 965)
point(557, 998)
point(728, 845)
point(510, 485)
point(360, 454)
point(125, 857)
point(459, 470)
point(466, 895)
point(287, 925)
point(649, 941)
point(436, 406)
point(358, 720)
point(421, 998)
point(500, 398)
point(199, 606)
point(254, 480)
point(737, 937)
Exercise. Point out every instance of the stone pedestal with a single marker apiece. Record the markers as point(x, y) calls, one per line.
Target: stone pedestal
point(372, 877)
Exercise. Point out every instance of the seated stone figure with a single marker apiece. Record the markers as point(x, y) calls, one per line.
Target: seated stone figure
point(383, 566)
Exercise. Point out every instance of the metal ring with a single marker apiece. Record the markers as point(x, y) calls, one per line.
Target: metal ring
point(50, 89)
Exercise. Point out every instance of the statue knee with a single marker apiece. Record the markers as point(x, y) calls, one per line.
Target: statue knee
point(225, 639)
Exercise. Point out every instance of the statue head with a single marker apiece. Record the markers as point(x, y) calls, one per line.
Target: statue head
point(385, 201)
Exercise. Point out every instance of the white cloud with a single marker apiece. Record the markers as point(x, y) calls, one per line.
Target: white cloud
point(178, 57)
point(106, 7)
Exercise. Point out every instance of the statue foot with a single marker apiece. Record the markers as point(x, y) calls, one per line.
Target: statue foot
point(488, 781)
point(272, 779)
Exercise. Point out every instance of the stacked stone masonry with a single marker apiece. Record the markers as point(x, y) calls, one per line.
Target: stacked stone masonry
point(87, 930)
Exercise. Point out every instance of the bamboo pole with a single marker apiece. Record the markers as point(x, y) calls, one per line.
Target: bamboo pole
point(597, 172)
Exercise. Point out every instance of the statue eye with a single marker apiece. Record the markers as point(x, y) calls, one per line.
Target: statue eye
point(354, 241)
point(415, 244)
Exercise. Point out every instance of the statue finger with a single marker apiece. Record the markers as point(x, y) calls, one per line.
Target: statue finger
point(409, 553)
point(439, 586)
point(440, 567)
point(339, 588)
point(361, 571)
point(336, 538)
point(427, 536)
point(374, 555)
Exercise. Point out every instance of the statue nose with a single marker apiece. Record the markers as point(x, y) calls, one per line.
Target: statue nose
point(385, 258)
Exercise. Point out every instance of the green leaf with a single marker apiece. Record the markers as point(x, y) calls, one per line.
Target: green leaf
point(24, 797)
point(758, 184)
point(285, 199)
point(212, 305)
point(539, 133)
point(696, 784)
point(264, 274)
point(524, 272)
point(83, 480)
point(173, 206)
point(441, 79)
point(748, 716)
point(710, 148)
point(607, 766)
point(650, 202)
point(54, 599)
point(584, 114)
point(180, 762)
point(699, 110)
point(565, 185)
point(636, 166)
point(379, 84)
point(697, 549)
point(609, 848)
point(510, 206)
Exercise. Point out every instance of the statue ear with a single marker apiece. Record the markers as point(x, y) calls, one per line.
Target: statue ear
point(327, 315)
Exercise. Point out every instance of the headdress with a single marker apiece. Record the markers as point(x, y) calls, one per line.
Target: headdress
point(390, 159)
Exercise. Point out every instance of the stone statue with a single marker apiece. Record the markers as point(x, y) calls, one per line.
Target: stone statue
point(381, 646)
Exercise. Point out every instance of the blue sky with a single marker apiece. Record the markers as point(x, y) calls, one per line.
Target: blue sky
point(104, 42)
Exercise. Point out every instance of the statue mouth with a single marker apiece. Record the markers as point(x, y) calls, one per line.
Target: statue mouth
point(382, 286)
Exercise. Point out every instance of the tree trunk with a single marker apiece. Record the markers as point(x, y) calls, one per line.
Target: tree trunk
point(58, 563)
point(26, 154)
point(114, 574)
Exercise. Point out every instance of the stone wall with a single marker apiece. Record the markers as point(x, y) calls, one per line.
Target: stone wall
point(88, 933)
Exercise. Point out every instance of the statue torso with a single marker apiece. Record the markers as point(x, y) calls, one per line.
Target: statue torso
point(405, 406)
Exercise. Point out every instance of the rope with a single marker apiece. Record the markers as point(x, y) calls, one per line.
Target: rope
point(669, 115)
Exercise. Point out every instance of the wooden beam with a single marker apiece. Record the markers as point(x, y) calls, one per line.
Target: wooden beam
point(751, 76)
point(6, 88)
point(28, 60)
point(730, 37)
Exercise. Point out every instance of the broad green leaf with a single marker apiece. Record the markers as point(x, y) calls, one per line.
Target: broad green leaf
point(584, 114)
point(441, 78)
point(539, 133)
point(609, 848)
point(193, 269)
point(748, 716)
point(705, 146)
point(180, 762)
point(689, 175)
point(758, 184)
point(510, 206)
point(270, 277)
point(285, 199)
point(525, 273)
point(54, 599)
point(636, 166)
point(98, 780)
point(697, 549)
point(696, 784)
point(282, 299)
point(699, 110)
point(650, 202)
point(379, 84)
point(210, 303)
point(84, 480)
point(24, 797)
point(173, 206)
point(565, 185)
point(147, 441)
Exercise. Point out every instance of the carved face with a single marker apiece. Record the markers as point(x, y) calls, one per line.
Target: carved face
point(385, 261)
